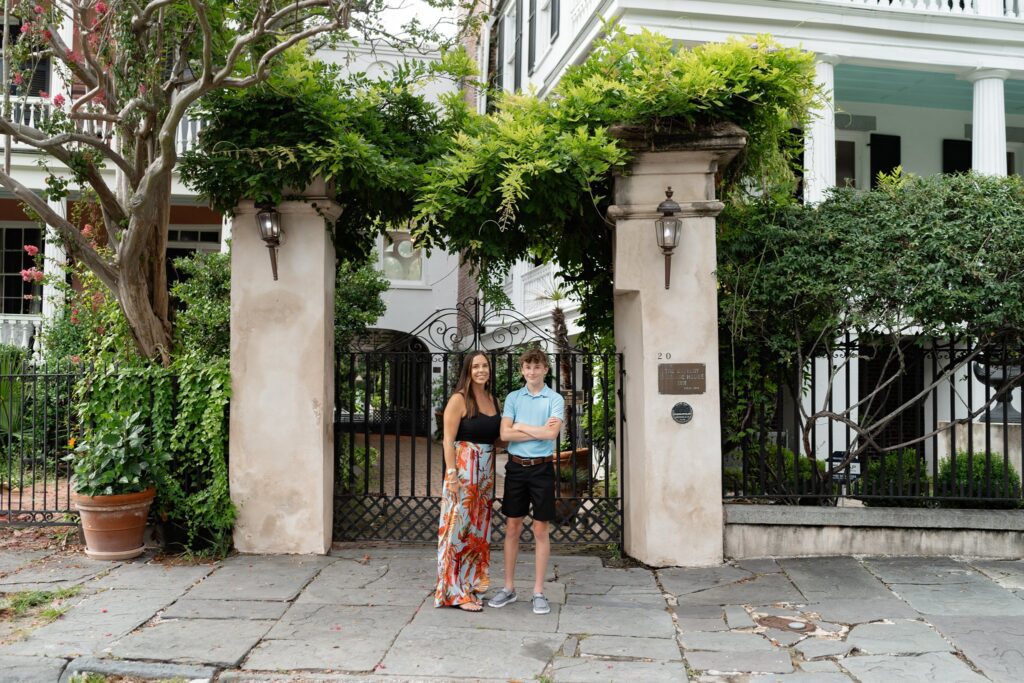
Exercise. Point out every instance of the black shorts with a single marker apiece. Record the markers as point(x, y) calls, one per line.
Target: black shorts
point(529, 486)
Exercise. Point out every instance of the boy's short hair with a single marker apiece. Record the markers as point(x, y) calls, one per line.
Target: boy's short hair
point(534, 356)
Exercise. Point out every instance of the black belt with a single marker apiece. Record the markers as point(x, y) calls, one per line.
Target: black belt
point(530, 462)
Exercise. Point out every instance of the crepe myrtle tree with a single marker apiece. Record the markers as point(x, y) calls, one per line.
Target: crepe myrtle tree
point(131, 71)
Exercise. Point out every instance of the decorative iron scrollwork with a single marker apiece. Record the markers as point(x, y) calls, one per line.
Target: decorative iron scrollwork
point(468, 326)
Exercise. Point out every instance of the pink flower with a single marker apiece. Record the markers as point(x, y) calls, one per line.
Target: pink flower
point(58, 100)
point(31, 249)
point(46, 35)
point(101, 7)
point(28, 297)
point(142, 88)
point(32, 274)
point(39, 9)
point(74, 57)
point(75, 360)
point(87, 230)
point(18, 80)
point(26, 27)
point(43, 94)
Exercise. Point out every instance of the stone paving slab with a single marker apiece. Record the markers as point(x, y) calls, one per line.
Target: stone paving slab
point(724, 642)
point(680, 580)
point(603, 578)
point(618, 599)
point(698, 624)
point(53, 572)
point(737, 617)
point(225, 609)
point(775, 661)
point(616, 621)
point(845, 611)
point(820, 666)
point(153, 577)
point(341, 595)
point(517, 616)
point(933, 667)
point(349, 573)
point(820, 578)
point(935, 570)
point(146, 670)
point(664, 649)
point(996, 645)
point(1007, 573)
point(970, 599)
point(13, 560)
point(92, 623)
point(783, 638)
point(251, 577)
point(766, 565)
point(815, 648)
point(339, 637)
point(583, 670)
point(898, 638)
point(194, 641)
point(764, 589)
point(801, 677)
point(470, 653)
point(27, 669)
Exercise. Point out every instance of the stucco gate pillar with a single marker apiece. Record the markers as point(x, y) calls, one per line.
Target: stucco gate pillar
point(282, 380)
point(673, 487)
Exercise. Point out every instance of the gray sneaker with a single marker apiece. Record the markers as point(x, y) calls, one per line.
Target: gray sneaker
point(540, 604)
point(502, 598)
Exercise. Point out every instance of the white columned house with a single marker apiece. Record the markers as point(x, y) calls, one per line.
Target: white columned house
point(820, 137)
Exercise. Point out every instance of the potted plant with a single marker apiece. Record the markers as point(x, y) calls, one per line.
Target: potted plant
point(114, 475)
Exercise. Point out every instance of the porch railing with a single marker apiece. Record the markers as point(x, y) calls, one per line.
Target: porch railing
point(1010, 8)
point(916, 422)
point(34, 111)
point(19, 330)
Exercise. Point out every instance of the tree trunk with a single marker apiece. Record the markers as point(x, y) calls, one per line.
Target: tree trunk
point(142, 285)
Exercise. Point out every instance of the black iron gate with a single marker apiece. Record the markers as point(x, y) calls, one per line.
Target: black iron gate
point(389, 396)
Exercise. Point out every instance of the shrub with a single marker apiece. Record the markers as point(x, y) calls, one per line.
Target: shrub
point(781, 482)
point(900, 474)
point(969, 479)
point(203, 323)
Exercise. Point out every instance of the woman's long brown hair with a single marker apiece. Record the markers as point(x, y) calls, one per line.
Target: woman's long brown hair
point(465, 383)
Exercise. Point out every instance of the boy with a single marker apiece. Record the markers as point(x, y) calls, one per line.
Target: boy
point(530, 423)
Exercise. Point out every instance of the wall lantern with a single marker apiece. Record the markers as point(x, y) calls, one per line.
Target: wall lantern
point(666, 230)
point(269, 221)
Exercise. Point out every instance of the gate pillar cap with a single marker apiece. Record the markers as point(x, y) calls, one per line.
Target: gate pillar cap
point(671, 136)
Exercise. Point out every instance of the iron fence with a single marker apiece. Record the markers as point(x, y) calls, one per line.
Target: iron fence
point(37, 424)
point(887, 422)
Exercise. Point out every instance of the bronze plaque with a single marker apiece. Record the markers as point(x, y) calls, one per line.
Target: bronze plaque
point(681, 378)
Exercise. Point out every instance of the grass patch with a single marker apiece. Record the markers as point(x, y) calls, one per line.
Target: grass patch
point(26, 603)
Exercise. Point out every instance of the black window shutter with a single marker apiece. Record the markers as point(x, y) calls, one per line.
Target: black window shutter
point(517, 77)
point(956, 156)
point(885, 155)
point(531, 49)
point(497, 59)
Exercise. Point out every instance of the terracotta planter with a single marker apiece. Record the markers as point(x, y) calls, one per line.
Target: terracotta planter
point(577, 458)
point(114, 525)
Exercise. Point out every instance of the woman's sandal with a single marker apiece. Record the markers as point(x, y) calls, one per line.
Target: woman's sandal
point(471, 606)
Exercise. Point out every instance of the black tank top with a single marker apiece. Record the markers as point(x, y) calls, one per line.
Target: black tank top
point(479, 429)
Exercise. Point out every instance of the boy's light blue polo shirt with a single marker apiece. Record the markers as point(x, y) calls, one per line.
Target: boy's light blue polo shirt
point(522, 406)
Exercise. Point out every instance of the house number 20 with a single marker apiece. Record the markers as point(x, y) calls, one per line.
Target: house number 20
point(664, 355)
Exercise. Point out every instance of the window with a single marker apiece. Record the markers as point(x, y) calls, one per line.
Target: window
point(13, 288)
point(555, 11)
point(40, 68)
point(185, 240)
point(531, 49)
point(497, 58)
point(846, 163)
point(401, 259)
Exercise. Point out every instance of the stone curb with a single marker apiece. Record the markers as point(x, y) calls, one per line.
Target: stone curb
point(147, 670)
point(901, 518)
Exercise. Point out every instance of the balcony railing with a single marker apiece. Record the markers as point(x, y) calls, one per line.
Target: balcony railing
point(34, 111)
point(1010, 8)
point(19, 330)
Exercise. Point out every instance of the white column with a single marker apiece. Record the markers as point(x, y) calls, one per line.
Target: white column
point(991, 8)
point(55, 261)
point(225, 234)
point(988, 151)
point(282, 381)
point(673, 471)
point(820, 136)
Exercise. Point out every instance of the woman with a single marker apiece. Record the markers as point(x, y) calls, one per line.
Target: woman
point(472, 420)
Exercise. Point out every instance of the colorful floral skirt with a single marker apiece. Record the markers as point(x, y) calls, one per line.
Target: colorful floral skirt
point(464, 536)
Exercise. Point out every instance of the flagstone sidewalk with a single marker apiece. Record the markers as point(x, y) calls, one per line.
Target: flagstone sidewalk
point(366, 614)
